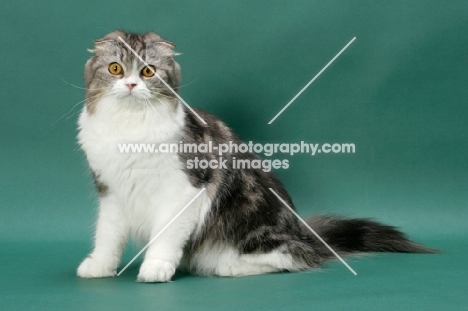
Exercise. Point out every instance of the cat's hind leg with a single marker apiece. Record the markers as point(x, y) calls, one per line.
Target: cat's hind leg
point(259, 263)
point(224, 260)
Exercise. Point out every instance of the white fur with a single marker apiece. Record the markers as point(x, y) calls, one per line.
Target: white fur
point(146, 190)
point(225, 260)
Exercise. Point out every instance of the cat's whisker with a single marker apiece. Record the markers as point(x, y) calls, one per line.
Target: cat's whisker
point(90, 102)
point(151, 105)
point(163, 103)
point(147, 108)
point(82, 88)
point(72, 115)
point(154, 93)
point(187, 84)
point(72, 108)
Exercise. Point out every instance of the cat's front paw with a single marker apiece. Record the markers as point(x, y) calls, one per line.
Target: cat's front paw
point(155, 270)
point(92, 268)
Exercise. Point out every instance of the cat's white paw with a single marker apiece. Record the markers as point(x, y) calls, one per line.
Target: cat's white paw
point(155, 270)
point(92, 268)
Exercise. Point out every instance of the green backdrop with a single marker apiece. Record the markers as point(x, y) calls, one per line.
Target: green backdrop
point(398, 93)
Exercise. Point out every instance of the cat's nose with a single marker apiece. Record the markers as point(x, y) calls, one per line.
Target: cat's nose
point(131, 85)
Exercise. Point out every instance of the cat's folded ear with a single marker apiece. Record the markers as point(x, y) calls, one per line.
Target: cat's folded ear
point(112, 37)
point(153, 38)
point(150, 38)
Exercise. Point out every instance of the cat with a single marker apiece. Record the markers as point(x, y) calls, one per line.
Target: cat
point(236, 227)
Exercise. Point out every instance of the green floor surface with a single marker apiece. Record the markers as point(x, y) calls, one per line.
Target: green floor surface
point(40, 276)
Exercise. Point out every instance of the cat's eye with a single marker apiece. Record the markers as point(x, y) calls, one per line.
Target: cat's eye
point(148, 71)
point(115, 68)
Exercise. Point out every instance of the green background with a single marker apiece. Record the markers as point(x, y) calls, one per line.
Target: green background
point(398, 93)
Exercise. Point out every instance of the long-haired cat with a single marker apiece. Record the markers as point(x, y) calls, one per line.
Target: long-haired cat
point(236, 227)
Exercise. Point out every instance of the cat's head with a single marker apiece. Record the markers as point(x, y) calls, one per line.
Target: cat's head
point(114, 70)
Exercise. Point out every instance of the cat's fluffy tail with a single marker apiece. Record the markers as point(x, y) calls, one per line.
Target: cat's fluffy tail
point(362, 235)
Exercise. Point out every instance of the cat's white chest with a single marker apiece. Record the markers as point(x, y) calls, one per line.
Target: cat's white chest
point(147, 184)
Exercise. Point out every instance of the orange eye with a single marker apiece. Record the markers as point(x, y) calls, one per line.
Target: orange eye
point(115, 69)
point(148, 71)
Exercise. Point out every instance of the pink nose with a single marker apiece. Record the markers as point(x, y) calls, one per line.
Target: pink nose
point(131, 85)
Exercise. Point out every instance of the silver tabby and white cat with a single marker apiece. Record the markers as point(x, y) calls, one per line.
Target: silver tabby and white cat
point(236, 227)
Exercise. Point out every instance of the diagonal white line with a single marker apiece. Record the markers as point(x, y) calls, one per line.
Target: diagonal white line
point(315, 233)
point(164, 82)
point(162, 230)
point(313, 79)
